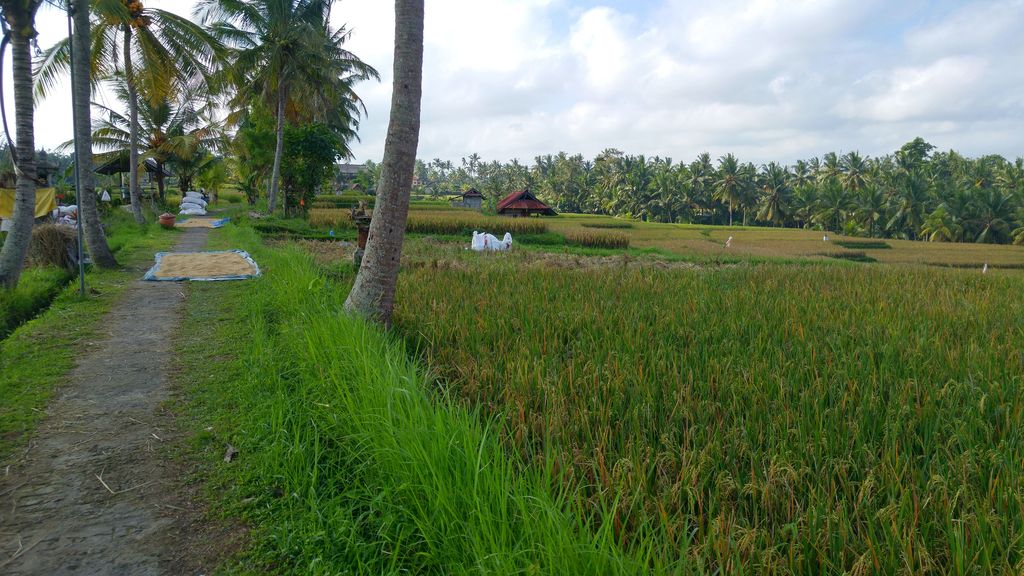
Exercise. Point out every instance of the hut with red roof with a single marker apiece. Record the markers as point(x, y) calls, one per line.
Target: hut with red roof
point(523, 203)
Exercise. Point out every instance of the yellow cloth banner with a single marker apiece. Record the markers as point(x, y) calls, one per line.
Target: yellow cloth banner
point(46, 202)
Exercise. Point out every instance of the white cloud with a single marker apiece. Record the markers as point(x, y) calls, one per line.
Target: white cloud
point(766, 79)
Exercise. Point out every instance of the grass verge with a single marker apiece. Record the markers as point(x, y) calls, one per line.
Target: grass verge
point(36, 289)
point(349, 461)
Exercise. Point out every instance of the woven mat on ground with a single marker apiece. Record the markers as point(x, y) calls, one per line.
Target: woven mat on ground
point(202, 223)
point(203, 266)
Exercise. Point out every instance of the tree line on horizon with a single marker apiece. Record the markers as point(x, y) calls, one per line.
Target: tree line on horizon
point(916, 193)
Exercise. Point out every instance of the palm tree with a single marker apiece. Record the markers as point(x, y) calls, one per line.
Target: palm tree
point(831, 169)
point(995, 212)
point(939, 227)
point(869, 207)
point(730, 183)
point(1018, 234)
point(855, 172)
point(20, 15)
point(833, 204)
point(168, 130)
point(373, 293)
point(775, 194)
point(910, 203)
point(287, 56)
point(173, 53)
point(86, 197)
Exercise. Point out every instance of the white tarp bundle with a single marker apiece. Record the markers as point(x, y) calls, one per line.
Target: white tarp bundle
point(482, 242)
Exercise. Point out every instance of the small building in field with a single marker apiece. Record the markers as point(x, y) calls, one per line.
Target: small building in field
point(471, 198)
point(523, 203)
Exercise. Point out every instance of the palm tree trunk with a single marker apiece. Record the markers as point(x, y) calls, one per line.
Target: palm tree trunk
point(133, 146)
point(373, 294)
point(12, 256)
point(160, 180)
point(86, 197)
point(275, 176)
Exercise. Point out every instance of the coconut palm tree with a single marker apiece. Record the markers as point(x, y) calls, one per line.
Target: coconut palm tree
point(173, 54)
point(168, 130)
point(909, 203)
point(939, 227)
point(855, 172)
point(86, 197)
point(730, 183)
point(774, 183)
point(20, 16)
point(995, 213)
point(833, 204)
point(286, 55)
point(373, 293)
point(869, 207)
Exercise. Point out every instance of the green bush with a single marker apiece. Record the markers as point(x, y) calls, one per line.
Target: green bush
point(36, 289)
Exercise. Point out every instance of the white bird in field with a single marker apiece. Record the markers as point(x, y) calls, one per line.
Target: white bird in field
point(728, 242)
point(984, 269)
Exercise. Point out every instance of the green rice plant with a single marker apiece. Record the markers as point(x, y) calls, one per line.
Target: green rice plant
point(618, 224)
point(852, 256)
point(772, 419)
point(863, 244)
point(597, 239)
point(459, 223)
point(343, 201)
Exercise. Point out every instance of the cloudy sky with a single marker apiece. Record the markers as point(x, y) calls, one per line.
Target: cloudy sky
point(765, 79)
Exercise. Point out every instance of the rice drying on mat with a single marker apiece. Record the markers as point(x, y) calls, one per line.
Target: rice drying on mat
point(202, 223)
point(203, 266)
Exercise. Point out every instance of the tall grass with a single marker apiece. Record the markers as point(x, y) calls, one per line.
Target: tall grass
point(768, 420)
point(352, 464)
point(37, 288)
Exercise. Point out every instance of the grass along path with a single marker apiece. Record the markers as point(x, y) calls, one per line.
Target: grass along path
point(348, 462)
point(36, 357)
point(94, 491)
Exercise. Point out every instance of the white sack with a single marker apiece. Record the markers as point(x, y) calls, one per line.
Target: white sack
point(193, 200)
point(489, 242)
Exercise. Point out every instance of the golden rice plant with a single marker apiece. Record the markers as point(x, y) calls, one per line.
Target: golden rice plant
point(792, 419)
point(457, 223)
point(590, 239)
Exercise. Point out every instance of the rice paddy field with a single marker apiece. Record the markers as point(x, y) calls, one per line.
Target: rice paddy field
point(757, 409)
point(812, 420)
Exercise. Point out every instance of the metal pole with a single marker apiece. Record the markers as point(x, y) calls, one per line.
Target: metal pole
point(78, 161)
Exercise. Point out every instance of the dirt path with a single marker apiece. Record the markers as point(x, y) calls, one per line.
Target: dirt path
point(94, 493)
